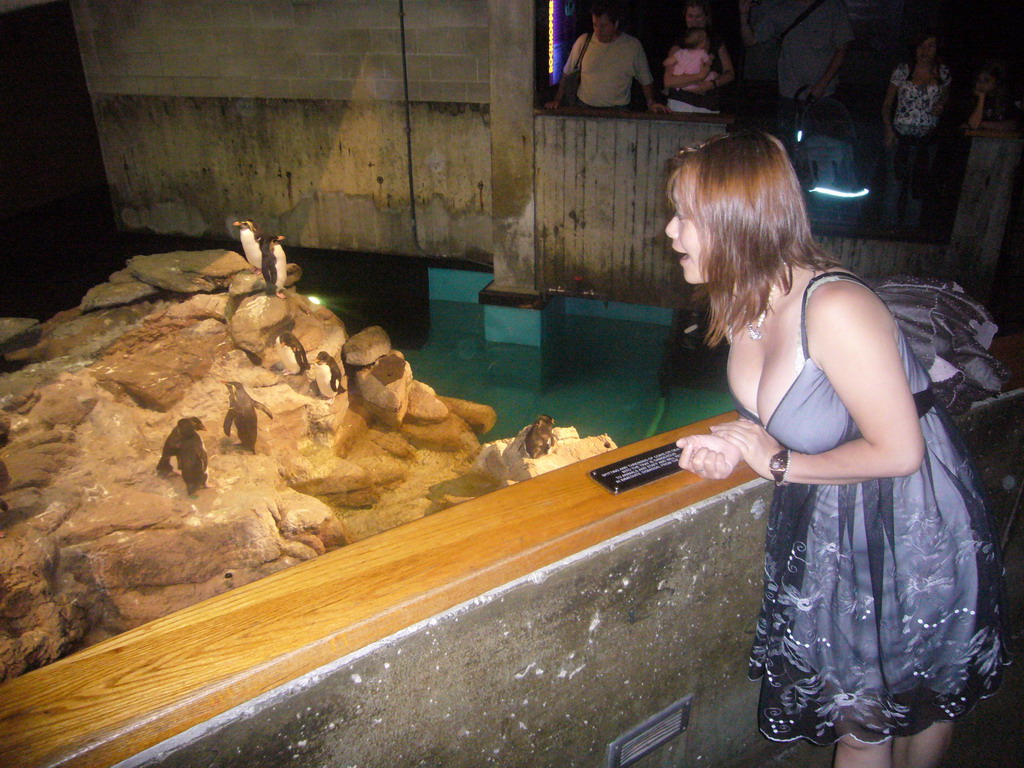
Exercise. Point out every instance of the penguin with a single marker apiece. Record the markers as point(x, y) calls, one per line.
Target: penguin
point(273, 263)
point(249, 234)
point(186, 445)
point(328, 375)
point(539, 438)
point(242, 411)
point(174, 441)
point(292, 353)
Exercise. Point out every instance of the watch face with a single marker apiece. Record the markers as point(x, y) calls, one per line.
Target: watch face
point(777, 463)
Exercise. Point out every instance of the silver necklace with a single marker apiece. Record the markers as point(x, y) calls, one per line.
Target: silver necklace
point(754, 329)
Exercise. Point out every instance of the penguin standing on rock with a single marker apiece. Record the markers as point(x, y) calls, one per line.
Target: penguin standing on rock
point(174, 441)
point(185, 444)
point(540, 438)
point(273, 263)
point(328, 375)
point(249, 233)
point(242, 412)
point(292, 353)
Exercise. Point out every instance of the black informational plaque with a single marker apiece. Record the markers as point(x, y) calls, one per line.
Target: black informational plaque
point(639, 470)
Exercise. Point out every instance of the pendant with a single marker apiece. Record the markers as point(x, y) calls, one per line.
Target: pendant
point(754, 333)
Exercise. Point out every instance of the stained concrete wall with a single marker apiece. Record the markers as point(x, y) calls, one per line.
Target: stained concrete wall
point(293, 113)
point(548, 670)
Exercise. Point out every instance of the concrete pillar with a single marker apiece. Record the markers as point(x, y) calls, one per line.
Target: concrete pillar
point(511, 28)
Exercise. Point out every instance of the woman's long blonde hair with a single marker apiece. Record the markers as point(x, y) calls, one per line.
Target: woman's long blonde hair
point(742, 195)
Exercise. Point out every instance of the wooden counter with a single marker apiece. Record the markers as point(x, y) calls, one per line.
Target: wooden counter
point(119, 697)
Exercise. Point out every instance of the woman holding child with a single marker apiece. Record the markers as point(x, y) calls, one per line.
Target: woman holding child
point(881, 622)
point(698, 91)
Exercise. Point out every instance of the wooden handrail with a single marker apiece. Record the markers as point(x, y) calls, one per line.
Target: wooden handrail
point(718, 118)
point(119, 697)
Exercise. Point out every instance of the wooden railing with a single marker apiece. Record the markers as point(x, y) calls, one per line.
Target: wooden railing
point(119, 697)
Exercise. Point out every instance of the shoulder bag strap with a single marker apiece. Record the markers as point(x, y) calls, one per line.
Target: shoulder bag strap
point(578, 66)
point(799, 19)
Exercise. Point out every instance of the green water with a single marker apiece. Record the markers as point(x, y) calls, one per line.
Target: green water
point(597, 374)
point(602, 367)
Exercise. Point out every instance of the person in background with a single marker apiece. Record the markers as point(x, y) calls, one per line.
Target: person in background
point(917, 95)
point(810, 53)
point(704, 95)
point(882, 617)
point(692, 58)
point(613, 59)
point(993, 108)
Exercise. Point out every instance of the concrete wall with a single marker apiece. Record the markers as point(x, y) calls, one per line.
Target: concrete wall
point(293, 113)
point(547, 671)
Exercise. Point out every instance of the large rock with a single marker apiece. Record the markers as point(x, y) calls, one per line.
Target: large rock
point(18, 332)
point(156, 364)
point(480, 417)
point(450, 435)
point(201, 306)
point(424, 405)
point(81, 338)
point(37, 466)
point(115, 294)
point(258, 321)
point(41, 616)
point(384, 387)
point(110, 542)
point(66, 402)
point(302, 518)
point(506, 461)
point(188, 271)
point(366, 347)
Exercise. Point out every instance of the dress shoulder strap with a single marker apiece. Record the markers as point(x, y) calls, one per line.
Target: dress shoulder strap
point(818, 280)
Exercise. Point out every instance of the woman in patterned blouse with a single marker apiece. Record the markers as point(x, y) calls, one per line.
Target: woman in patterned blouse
point(918, 89)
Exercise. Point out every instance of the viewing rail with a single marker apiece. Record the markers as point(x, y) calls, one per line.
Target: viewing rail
point(114, 699)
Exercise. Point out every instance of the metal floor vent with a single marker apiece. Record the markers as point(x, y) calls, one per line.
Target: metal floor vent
point(649, 735)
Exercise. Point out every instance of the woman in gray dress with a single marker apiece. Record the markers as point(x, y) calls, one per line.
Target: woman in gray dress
point(881, 622)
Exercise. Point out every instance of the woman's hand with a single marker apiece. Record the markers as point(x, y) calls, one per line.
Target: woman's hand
point(703, 462)
point(708, 456)
point(756, 446)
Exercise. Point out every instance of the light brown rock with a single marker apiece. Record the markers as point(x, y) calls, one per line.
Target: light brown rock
point(424, 405)
point(384, 387)
point(85, 421)
point(65, 402)
point(367, 346)
point(187, 271)
point(506, 461)
point(116, 294)
point(36, 467)
point(258, 321)
point(479, 416)
point(200, 306)
point(156, 365)
point(41, 618)
point(18, 332)
point(452, 434)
